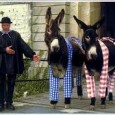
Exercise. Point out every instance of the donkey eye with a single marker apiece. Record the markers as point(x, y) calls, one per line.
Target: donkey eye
point(87, 37)
point(49, 31)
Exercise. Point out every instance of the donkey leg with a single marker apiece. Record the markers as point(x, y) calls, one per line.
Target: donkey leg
point(91, 89)
point(103, 100)
point(67, 103)
point(106, 93)
point(103, 103)
point(79, 83)
point(67, 89)
point(92, 104)
point(54, 89)
point(110, 97)
point(53, 104)
point(110, 88)
point(79, 92)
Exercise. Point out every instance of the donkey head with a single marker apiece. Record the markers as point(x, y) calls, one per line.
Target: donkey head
point(52, 31)
point(89, 39)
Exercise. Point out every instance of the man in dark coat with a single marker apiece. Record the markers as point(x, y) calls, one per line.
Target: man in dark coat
point(12, 48)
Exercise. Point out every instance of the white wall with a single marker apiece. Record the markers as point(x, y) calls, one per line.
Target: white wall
point(20, 15)
point(38, 21)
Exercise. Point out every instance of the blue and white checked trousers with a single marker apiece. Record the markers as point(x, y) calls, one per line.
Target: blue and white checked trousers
point(67, 81)
point(79, 70)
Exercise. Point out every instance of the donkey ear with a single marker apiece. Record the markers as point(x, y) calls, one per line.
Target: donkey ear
point(99, 23)
point(60, 16)
point(81, 24)
point(48, 15)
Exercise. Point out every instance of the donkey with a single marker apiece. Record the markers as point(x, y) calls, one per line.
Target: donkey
point(94, 61)
point(64, 57)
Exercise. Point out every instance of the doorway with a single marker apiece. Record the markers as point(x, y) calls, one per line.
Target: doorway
point(108, 10)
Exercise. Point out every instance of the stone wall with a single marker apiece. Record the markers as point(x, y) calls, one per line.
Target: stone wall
point(83, 10)
point(29, 18)
point(73, 24)
point(88, 12)
point(20, 15)
point(38, 21)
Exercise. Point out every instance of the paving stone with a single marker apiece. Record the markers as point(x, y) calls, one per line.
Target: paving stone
point(82, 105)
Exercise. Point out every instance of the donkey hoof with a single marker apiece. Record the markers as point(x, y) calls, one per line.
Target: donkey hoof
point(80, 97)
point(67, 106)
point(52, 106)
point(103, 106)
point(92, 108)
point(110, 101)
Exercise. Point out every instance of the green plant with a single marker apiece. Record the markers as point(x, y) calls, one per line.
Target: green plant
point(31, 87)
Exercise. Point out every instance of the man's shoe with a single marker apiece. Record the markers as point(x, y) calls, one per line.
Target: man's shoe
point(1, 107)
point(10, 106)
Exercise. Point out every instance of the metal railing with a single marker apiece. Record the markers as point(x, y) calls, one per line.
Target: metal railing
point(32, 80)
point(27, 60)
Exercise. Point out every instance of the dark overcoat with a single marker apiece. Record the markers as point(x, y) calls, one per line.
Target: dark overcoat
point(20, 47)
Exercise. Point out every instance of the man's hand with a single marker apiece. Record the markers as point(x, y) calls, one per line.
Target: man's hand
point(36, 58)
point(9, 50)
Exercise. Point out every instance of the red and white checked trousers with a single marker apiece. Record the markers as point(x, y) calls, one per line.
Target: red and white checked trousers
point(90, 81)
point(111, 81)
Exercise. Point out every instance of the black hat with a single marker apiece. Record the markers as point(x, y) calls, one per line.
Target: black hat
point(5, 20)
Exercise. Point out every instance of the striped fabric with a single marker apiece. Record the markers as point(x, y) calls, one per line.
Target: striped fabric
point(91, 90)
point(54, 86)
point(54, 81)
point(104, 72)
point(90, 81)
point(78, 74)
point(68, 75)
point(111, 81)
point(77, 41)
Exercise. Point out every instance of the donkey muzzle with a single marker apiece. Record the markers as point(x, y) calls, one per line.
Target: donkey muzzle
point(55, 49)
point(93, 56)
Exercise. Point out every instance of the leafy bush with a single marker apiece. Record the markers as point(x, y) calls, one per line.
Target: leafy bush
point(23, 88)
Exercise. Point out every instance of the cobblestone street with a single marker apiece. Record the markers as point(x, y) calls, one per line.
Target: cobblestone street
point(40, 104)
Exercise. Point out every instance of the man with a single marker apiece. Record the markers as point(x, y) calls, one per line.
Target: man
point(12, 48)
